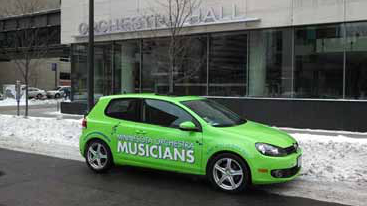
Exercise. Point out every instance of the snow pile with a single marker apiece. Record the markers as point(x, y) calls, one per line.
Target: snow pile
point(40, 130)
point(335, 159)
point(13, 102)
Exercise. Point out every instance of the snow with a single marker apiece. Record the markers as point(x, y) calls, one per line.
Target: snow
point(333, 159)
point(334, 167)
point(13, 102)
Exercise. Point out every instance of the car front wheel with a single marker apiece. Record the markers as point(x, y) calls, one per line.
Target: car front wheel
point(98, 156)
point(57, 96)
point(229, 173)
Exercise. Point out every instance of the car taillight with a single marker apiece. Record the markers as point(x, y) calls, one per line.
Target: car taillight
point(84, 123)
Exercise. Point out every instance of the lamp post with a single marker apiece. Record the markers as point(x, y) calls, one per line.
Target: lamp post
point(90, 82)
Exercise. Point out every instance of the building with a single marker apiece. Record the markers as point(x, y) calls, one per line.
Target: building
point(294, 63)
point(45, 24)
point(11, 8)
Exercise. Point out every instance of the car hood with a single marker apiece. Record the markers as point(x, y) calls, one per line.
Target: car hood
point(260, 133)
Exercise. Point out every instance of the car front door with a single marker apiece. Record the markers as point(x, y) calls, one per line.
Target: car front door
point(166, 146)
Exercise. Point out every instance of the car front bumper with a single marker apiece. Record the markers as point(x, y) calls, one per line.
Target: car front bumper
point(269, 170)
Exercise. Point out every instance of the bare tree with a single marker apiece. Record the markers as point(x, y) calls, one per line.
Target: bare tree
point(174, 15)
point(27, 44)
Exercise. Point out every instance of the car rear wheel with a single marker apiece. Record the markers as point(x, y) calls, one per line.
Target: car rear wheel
point(229, 173)
point(98, 156)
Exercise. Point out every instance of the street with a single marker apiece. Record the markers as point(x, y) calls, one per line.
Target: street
point(38, 111)
point(34, 180)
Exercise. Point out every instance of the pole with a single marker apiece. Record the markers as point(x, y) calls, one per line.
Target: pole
point(56, 77)
point(90, 83)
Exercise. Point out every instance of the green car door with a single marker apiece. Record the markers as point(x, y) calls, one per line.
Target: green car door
point(148, 135)
point(177, 149)
point(125, 114)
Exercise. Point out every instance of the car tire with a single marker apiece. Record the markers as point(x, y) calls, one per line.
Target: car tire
point(98, 156)
point(39, 96)
point(57, 96)
point(228, 172)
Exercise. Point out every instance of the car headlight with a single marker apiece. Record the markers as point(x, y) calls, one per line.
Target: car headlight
point(270, 150)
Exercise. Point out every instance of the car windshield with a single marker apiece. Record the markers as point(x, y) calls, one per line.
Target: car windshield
point(213, 113)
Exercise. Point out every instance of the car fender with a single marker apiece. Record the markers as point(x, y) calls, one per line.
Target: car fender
point(93, 135)
point(227, 148)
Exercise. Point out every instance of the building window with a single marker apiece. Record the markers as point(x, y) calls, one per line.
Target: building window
point(64, 76)
point(155, 71)
point(270, 63)
point(190, 75)
point(228, 64)
point(127, 67)
point(356, 61)
point(102, 69)
point(319, 62)
point(79, 72)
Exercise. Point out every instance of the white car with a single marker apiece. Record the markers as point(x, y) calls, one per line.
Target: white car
point(58, 92)
point(36, 93)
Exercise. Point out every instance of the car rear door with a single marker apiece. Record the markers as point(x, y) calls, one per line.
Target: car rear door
point(123, 114)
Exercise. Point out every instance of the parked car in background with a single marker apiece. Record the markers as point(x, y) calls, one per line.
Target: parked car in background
point(1, 96)
point(58, 92)
point(34, 92)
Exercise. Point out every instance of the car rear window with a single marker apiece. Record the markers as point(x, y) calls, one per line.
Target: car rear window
point(124, 109)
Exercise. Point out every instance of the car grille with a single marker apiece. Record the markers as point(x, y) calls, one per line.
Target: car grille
point(292, 149)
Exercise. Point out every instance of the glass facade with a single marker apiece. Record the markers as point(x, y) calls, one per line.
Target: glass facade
point(356, 61)
point(79, 72)
point(319, 57)
point(126, 68)
point(270, 63)
point(313, 62)
point(228, 64)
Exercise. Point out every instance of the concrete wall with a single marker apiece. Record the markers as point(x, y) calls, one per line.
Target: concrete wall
point(273, 13)
point(41, 77)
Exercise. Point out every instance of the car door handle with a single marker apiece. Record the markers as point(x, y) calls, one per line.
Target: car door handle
point(140, 132)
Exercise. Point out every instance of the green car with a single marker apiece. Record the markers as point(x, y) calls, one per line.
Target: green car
point(187, 134)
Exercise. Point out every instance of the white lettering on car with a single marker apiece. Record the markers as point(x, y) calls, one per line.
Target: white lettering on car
point(159, 149)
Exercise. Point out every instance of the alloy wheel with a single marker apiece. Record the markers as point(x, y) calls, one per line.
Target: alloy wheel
point(228, 174)
point(97, 156)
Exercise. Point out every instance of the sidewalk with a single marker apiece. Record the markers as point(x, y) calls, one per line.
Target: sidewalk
point(331, 133)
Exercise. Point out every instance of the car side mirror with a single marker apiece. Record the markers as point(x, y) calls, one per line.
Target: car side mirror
point(188, 126)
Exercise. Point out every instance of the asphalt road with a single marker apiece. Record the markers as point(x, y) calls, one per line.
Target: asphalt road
point(34, 180)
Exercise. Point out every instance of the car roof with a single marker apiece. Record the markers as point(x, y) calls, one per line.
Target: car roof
point(154, 96)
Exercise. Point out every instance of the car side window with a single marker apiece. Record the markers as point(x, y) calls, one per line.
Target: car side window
point(125, 109)
point(164, 114)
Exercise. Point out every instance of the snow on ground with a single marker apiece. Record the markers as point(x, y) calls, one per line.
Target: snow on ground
point(334, 158)
point(13, 102)
point(334, 167)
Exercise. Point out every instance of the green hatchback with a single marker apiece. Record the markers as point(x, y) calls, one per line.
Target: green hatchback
point(187, 134)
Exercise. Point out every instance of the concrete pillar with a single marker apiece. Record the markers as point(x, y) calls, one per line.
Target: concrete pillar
point(257, 64)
